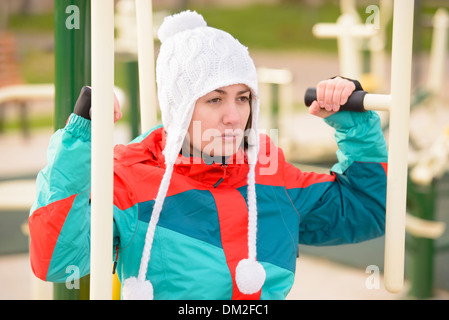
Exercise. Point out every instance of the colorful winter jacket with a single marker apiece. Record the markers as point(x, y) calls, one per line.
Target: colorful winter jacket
point(202, 231)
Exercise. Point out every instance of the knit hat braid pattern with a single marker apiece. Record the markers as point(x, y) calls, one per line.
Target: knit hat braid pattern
point(195, 59)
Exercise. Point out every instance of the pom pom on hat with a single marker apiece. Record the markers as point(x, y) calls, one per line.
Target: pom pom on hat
point(135, 289)
point(180, 22)
point(250, 276)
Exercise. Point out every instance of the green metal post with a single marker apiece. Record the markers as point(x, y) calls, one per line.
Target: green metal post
point(72, 72)
point(274, 105)
point(132, 77)
point(72, 55)
point(421, 204)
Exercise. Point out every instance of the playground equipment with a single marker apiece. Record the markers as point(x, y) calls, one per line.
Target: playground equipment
point(348, 32)
point(102, 19)
point(73, 48)
point(354, 38)
point(126, 50)
point(438, 51)
point(147, 79)
point(277, 87)
point(102, 25)
point(27, 92)
point(421, 225)
point(14, 92)
point(430, 166)
point(430, 96)
point(398, 105)
point(434, 163)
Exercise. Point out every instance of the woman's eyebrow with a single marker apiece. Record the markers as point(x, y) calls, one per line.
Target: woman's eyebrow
point(238, 93)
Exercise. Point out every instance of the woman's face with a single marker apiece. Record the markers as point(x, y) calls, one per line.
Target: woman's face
point(219, 121)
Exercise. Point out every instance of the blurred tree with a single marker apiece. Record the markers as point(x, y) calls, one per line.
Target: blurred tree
point(4, 14)
point(25, 7)
point(183, 5)
point(309, 3)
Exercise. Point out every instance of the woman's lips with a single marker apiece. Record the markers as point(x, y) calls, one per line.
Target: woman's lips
point(229, 137)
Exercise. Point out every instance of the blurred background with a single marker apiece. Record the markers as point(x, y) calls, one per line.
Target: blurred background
point(45, 60)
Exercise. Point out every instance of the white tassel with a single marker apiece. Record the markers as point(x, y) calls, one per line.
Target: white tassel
point(135, 289)
point(250, 276)
point(140, 288)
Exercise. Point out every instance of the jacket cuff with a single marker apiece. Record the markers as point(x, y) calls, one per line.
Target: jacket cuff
point(344, 120)
point(79, 127)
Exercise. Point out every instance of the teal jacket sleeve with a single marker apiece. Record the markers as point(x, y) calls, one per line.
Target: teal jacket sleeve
point(347, 205)
point(59, 220)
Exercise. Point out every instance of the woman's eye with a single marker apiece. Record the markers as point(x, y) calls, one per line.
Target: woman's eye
point(243, 99)
point(214, 100)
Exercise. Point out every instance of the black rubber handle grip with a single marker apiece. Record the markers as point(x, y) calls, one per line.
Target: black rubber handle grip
point(83, 104)
point(354, 103)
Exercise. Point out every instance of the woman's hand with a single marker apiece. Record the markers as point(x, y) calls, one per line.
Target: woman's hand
point(117, 112)
point(331, 94)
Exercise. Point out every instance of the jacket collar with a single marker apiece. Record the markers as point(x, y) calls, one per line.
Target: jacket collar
point(150, 151)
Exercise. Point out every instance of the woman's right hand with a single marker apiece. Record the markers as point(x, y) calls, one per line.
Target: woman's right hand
point(331, 94)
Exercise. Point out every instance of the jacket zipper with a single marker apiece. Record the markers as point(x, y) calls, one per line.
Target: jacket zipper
point(115, 262)
point(223, 166)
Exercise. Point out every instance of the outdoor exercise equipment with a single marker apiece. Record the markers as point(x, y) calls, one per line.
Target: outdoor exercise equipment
point(427, 173)
point(72, 48)
point(348, 32)
point(355, 39)
point(277, 85)
point(147, 78)
point(421, 224)
point(398, 105)
point(102, 24)
point(102, 20)
point(431, 92)
point(89, 52)
point(438, 52)
point(127, 56)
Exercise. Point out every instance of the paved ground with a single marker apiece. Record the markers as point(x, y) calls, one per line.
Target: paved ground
point(316, 279)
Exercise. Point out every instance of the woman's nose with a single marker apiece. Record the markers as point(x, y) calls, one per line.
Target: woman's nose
point(231, 114)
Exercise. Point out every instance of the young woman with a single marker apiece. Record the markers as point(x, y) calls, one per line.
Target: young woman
point(204, 206)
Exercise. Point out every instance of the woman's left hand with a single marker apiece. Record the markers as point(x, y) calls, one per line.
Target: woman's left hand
point(331, 94)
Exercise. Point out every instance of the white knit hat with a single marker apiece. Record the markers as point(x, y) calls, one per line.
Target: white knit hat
point(195, 59)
